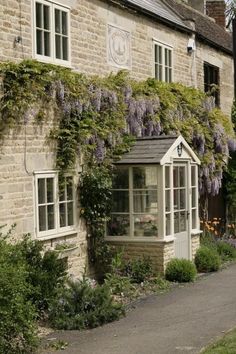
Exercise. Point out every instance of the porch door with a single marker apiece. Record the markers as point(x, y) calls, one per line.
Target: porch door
point(180, 198)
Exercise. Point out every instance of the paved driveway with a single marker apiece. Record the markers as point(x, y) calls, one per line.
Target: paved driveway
point(181, 321)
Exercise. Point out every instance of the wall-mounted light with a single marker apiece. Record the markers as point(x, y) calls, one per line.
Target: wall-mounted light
point(180, 149)
point(191, 46)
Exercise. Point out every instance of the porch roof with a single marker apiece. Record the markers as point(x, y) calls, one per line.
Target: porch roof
point(155, 150)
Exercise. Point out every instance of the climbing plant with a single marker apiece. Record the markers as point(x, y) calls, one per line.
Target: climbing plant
point(98, 119)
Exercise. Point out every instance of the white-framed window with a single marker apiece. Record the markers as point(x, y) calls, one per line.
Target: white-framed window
point(51, 28)
point(163, 62)
point(135, 202)
point(54, 204)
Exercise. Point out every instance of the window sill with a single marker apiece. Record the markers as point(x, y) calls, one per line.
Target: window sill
point(147, 239)
point(57, 235)
point(48, 60)
point(196, 232)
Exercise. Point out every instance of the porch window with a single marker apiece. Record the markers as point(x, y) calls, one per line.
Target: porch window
point(194, 199)
point(135, 202)
point(55, 204)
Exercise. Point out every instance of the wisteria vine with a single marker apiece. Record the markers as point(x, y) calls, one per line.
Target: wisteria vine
point(99, 117)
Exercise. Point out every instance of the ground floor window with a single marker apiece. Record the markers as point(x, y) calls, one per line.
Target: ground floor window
point(55, 203)
point(134, 202)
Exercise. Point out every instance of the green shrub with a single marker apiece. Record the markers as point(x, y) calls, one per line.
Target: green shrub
point(207, 260)
point(226, 251)
point(208, 240)
point(180, 270)
point(119, 285)
point(46, 272)
point(17, 314)
point(81, 306)
point(138, 269)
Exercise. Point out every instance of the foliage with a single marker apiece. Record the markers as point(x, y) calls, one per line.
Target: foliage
point(80, 306)
point(139, 269)
point(45, 272)
point(98, 117)
point(207, 260)
point(96, 183)
point(226, 251)
point(17, 329)
point(180, 270)
point(119, 285)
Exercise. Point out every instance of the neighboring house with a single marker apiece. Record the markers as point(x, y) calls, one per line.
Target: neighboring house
point(167, 40)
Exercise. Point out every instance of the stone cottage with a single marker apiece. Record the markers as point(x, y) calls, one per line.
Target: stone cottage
point(168, 40)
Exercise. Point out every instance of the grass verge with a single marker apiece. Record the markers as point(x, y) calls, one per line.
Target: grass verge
point(226, 345)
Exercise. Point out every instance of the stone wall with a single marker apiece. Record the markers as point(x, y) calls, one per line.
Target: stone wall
point(160, 252)
point(195, 245)
point(89, 43)
point(24, 152)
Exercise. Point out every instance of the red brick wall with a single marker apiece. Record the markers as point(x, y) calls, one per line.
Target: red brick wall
point(216, 10)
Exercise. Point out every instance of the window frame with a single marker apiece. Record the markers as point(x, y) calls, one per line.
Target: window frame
point(57, 231)
point(52, 58)
point(131, 213)
point(164, 47)
point(213, 71)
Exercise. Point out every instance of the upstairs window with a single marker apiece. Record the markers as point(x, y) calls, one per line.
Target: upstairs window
point(163, 66)
point(51, 32)
point(211, 81)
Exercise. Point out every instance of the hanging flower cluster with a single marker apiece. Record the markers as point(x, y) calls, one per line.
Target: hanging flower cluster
point(98, 117)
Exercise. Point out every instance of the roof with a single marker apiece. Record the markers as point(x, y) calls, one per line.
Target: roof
point(206, 29)
point(148, 150)
point(157, 150)
point(158, 8)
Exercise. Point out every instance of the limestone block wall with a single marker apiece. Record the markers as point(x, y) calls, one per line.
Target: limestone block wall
point(195, 245)
point(89, 43)
point(24, 152)
point(159, 253)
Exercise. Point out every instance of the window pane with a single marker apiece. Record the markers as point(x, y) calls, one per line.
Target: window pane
point(51, 218)
point(145, 225)
point(170, 58)
point(57, 21)
point(121, 178)
point(182, 199)
point(144, 177)
point(160, 73)
point(58, 46)
point(46, 17)
point(39, 42)
point(194, 197)
point(62, 192)
point(69, 186)
point(167, 200)
point(64, 23)
point(182, 221)
point(175, 177)
point(170, 75)
point(176, 199)
point(118, 225)
point(166, 57)
point(176, 223)
point(42, 218)
point(145, 201)
point(181, 176)
point(167, 224)
point(194, 219)
point(193, 175)
point(120, 201)
point(70, 213)
point(49, 190)
point(160, 54)
point(167, 177)
point(39, 15)
point(47, 44)
point(62, 211)
point(41, 191)
point(65, 48)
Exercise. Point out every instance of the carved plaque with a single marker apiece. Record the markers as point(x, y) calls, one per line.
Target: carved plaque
point(119, 51)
